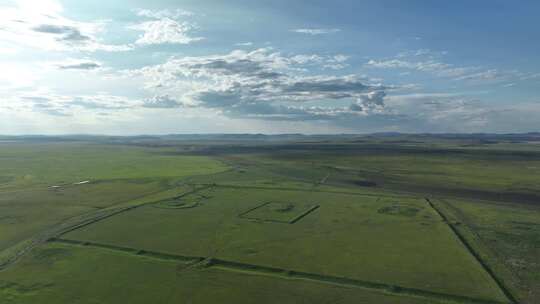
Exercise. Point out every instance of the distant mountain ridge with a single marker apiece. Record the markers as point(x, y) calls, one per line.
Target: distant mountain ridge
point(530, 136)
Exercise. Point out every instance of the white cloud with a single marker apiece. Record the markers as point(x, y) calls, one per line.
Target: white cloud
point(424, 66)
point(260, 83)
point(39, 24)
point(393, 63)
point(529, 76)
point(174, 14)
point(244, 44)
point(452, 112)
point(165, 28)
point(162, 102)
point(316, 31)
point(77, 64)
point(46, 102)
point(470, 74)
point(488, 75)
point(426, 53)
point(429, 61)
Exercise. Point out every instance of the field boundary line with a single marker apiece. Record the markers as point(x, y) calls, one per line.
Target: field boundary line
point(252, 269)
point(245, 214)
point(304, 214)
point(477, 238)
point(473, 252)
point(139, 252)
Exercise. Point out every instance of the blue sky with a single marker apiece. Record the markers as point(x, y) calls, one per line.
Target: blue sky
point(141, 67)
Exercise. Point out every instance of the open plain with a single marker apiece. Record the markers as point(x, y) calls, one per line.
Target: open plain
point(371, 219)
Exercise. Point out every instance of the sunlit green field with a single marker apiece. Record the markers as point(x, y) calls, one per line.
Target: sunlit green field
point(354, 236)
point(40, 188)
point(490, 172)
point(65, 163)
point(293, 223)
point(508, 235)
point(71, 274)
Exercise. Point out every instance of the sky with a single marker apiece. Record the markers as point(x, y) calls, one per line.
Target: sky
point(211, 66)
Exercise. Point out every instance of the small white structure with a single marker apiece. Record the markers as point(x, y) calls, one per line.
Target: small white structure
point(82, 183)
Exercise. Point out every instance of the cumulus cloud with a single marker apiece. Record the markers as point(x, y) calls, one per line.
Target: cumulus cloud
point(316, 31)
point(373, 99)
point(228, 104)
point(165, 31)
point(165, 28)
point(261, 83)
point(372, 102)
point(41, 25)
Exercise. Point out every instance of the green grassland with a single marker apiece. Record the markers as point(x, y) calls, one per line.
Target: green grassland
point(40, 189)
point(280, 212)
point(165, 221)
point(489, 173)
point(25, 213)
point(394, 240)
point(70, 274)
point(30, 164)
point(508, 235)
